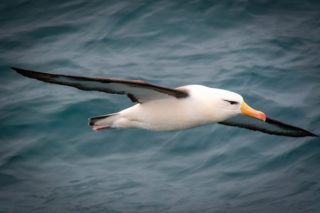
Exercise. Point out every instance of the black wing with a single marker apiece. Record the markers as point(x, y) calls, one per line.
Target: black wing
point(137, 91)
point(270, 126)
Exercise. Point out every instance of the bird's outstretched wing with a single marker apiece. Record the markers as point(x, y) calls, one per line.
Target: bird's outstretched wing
point(137, 91)
point(270, 126)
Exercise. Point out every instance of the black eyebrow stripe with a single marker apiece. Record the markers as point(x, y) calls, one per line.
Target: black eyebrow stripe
point(231, 102)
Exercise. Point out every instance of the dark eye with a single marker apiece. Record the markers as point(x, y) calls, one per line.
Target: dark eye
point(231, 102)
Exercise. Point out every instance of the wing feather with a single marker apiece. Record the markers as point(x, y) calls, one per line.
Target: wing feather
point(137, 91)
point(270, 126)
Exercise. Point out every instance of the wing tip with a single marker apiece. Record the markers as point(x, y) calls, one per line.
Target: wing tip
point(33, 74)
point(306, 133)
point(15, 69)
point(20, 70)
point(312, 134)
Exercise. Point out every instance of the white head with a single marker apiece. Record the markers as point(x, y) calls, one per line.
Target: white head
point(230, 104)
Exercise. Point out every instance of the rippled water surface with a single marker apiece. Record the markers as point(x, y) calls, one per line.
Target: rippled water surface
point(51, 161)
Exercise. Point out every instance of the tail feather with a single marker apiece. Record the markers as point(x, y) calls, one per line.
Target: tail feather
point(104, 119)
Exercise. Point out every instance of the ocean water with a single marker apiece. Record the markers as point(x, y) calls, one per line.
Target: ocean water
point(51, 160)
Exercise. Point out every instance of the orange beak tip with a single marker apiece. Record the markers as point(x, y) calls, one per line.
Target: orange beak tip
point(263, 117)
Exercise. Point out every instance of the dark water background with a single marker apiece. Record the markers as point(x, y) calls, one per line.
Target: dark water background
point(51, 161)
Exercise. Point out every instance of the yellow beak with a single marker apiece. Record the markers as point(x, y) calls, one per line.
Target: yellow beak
point(247, 110)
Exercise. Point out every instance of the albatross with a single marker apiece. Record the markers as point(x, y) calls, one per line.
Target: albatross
point(165, 109)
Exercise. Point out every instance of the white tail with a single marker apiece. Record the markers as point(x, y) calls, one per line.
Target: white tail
point(103, 121)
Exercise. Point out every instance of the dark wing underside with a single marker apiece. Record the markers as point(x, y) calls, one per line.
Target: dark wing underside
point(137, 91)
point(270, 126)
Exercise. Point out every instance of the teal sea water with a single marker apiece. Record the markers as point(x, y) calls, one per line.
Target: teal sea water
point(50, 159)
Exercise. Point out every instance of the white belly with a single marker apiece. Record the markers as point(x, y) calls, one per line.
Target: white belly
point(165, 114)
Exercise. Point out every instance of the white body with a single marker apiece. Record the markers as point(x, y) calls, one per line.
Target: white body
point(203, 106)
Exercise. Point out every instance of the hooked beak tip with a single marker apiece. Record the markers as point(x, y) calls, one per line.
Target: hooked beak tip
point(262, 116)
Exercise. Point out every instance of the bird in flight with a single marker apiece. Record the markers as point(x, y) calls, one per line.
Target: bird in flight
point(165, 109)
